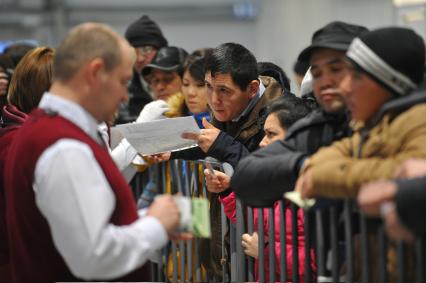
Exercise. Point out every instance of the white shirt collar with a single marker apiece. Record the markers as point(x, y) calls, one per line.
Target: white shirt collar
point(72, 112)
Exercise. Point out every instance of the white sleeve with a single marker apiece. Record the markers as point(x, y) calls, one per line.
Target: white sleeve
point(123, 154)
point(74, 196)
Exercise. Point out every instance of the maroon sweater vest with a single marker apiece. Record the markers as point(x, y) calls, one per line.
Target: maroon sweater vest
point(5, 273)
point(34, 257)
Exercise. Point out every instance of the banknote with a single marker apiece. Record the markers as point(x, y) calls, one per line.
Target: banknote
point(296, 198)
point(194, 216)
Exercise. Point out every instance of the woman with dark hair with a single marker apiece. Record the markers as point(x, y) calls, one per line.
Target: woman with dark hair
point(31, 79)
point(193, 98)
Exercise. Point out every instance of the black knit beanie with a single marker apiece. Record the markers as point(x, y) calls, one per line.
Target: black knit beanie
point(145, 31)
point(393, 56)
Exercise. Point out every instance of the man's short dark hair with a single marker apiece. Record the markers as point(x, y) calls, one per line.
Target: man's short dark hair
point(234, 59)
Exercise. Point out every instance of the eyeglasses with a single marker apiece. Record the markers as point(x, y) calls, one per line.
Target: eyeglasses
point(144, 50)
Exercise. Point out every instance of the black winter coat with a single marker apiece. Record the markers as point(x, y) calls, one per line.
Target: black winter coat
point(410, 204)
point(276, 167)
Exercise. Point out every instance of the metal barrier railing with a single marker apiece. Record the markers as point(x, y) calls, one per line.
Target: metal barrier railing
point(339, 244)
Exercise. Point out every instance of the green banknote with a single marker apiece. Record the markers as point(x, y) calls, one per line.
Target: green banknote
point(200, 218)
point(194, 216)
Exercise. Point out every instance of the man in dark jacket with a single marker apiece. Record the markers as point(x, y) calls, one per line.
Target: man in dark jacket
point(277, 166)
point(146, 37)
point(238, 99)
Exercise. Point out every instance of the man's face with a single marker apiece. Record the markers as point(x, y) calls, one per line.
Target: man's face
point(144, 55)
point(225, 98)
point(114, 83)
point(164, 84)
point(363, 95)
point(328, 69)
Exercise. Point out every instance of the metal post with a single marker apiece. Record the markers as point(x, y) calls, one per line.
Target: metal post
point(307, 231)
point(400, 251)
point(261, 234)
point(419, 254)
point(250, 230)
point(334, 245)
point(295, 243)
point(348, 240)
point(283, 242)
point(382, 253)
point(271, 244)
point(364, 250)
point(241, 262)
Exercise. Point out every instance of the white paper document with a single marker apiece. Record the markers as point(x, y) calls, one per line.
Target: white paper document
point(160, 135)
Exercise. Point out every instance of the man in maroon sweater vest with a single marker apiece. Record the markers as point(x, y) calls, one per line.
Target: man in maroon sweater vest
point(70, 213)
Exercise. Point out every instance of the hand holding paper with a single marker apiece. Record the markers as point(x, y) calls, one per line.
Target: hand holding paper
point(205, 137)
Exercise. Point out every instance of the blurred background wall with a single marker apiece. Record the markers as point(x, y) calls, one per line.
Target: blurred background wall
point(274, 30)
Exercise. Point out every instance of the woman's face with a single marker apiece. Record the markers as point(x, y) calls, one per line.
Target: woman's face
point(273, 130)
point(195, 93)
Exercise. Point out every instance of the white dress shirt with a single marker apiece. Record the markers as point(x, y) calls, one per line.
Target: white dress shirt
point(77, 201)
point(123, 154)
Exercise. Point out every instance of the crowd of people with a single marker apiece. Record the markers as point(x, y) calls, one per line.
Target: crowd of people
point(356, 131)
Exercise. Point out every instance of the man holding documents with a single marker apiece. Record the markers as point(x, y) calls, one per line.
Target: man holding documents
point(70, 213)
point(238, 100)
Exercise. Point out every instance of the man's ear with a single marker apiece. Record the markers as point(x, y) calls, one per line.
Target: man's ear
point(253, 88)
point(95, 70)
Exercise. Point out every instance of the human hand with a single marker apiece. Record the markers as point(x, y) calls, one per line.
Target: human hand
point(250, 244)
point(157, 158)
point(304, 185)
point(4, 83)
point(411, 168)
point(164, 208)
point(217, 182)
point(206, 137)
point(372, 195)
point(394, 228)
point(153, 111)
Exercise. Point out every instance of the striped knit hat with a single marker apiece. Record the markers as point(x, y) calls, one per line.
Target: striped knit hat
point(394, 57)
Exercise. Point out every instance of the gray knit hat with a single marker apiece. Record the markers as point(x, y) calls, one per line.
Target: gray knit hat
point(393, 56)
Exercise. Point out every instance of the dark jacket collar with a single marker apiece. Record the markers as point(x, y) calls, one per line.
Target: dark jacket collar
point(396, 106)
point(12, 117)
point(319, 117)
